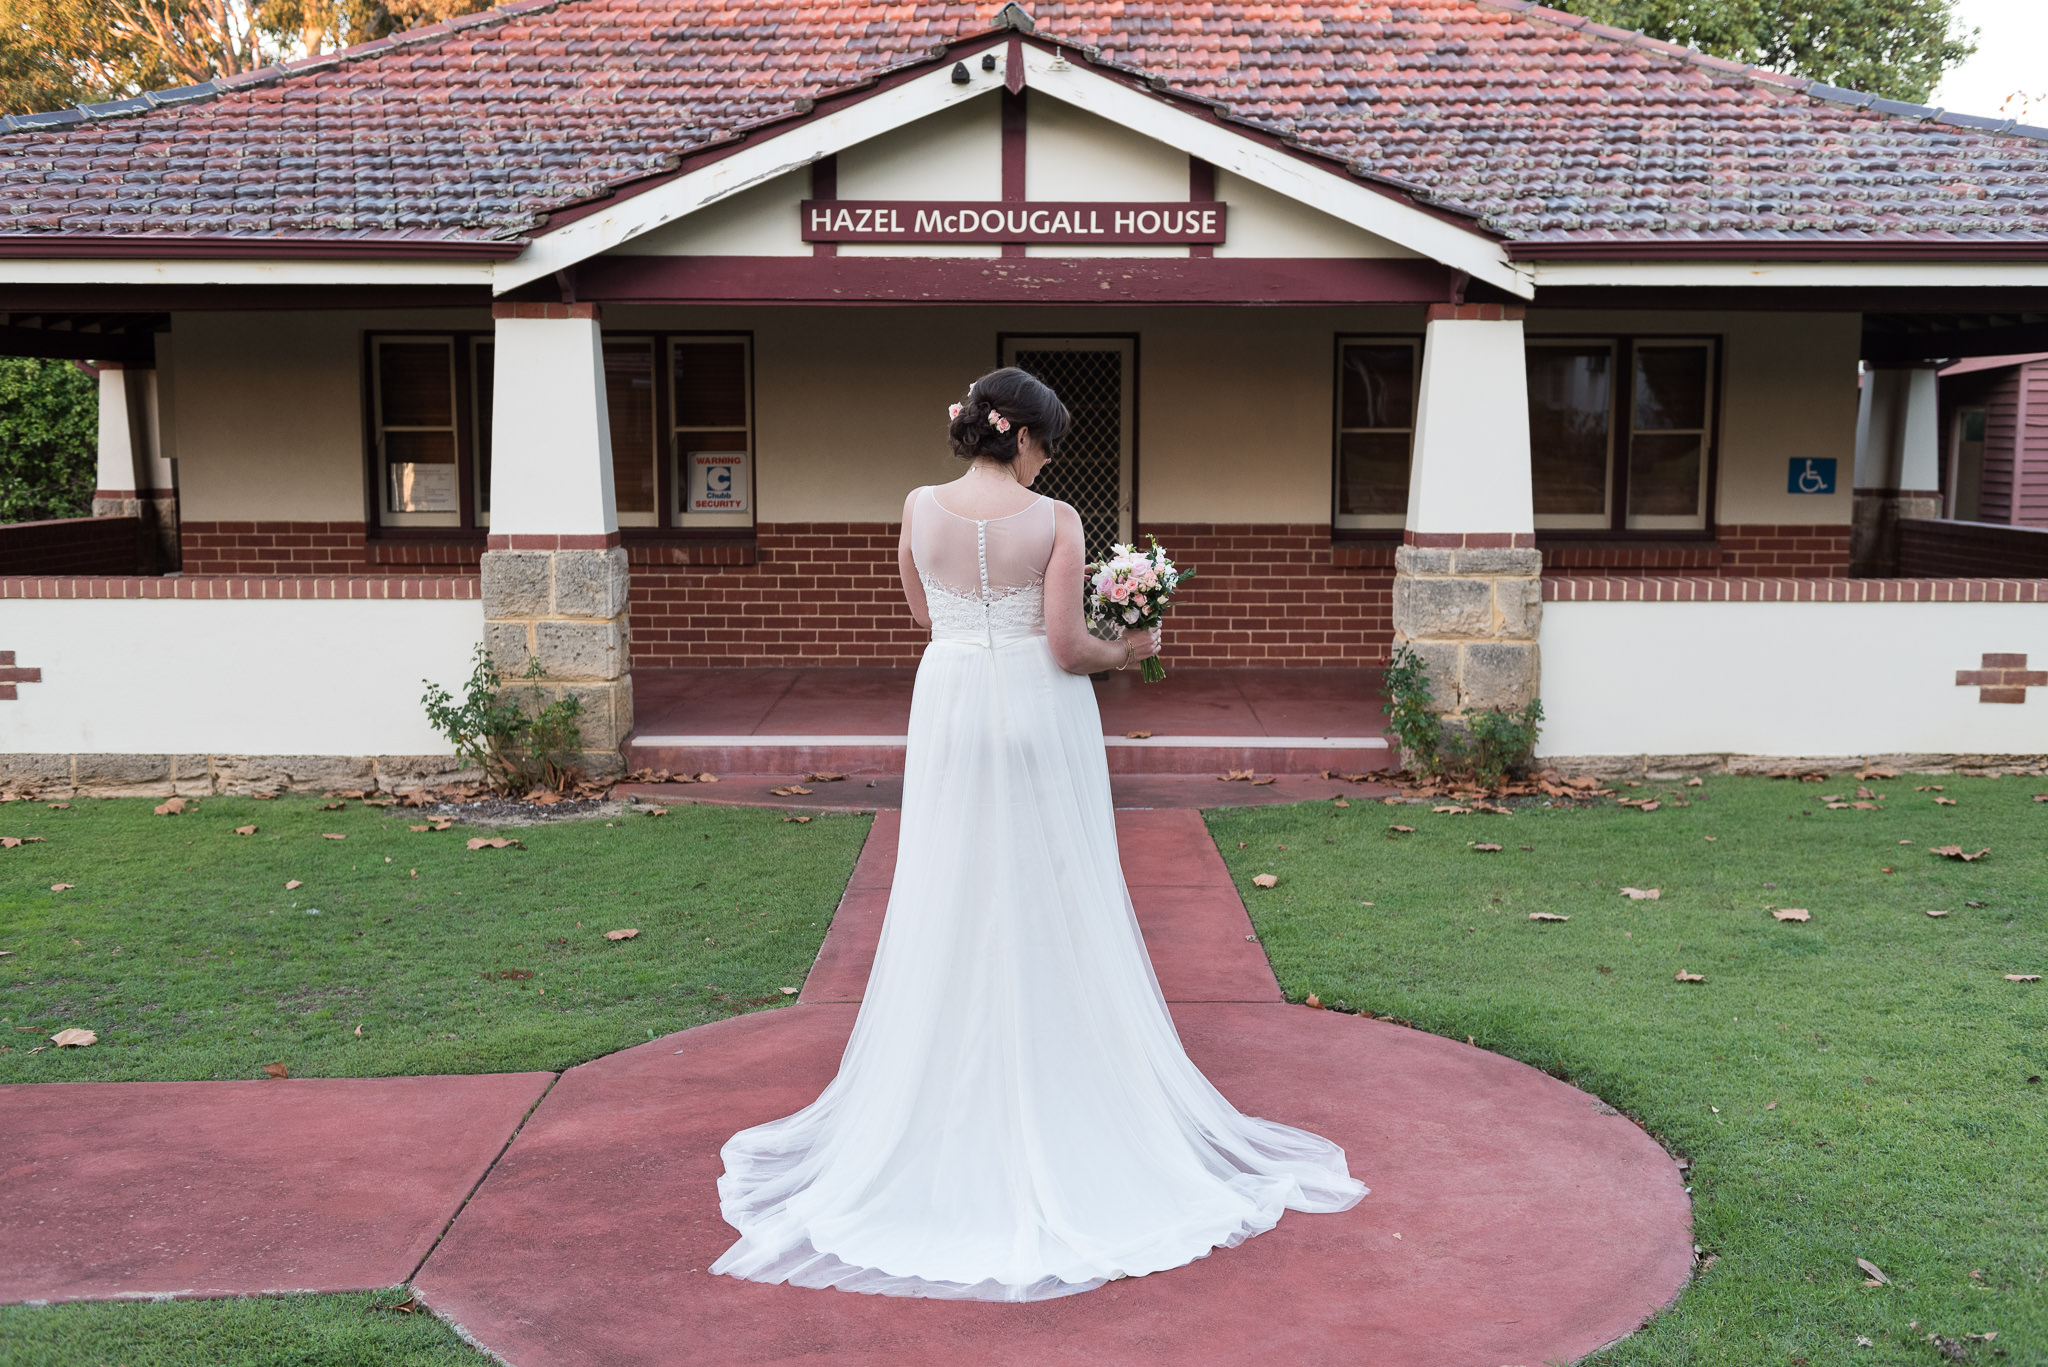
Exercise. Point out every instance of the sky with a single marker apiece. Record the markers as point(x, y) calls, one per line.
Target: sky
point(2012, 58)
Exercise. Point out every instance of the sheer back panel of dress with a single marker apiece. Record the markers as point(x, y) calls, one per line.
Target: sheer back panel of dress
point(952, 550)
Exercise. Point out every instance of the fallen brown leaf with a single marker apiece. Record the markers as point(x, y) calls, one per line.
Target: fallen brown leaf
point(799, 820)
point(620, 934)
point(789, 991)
point(2023, 977)
point(1484, 849)
point(479, 842)
point(60, 806)
point(1945, 802)
point(1312, 1000)
point(1878, 773)
point(1547, 916)
point(1137, 735)
point(1402, 830)
point(1877, 1278)
point(1927, 787)
point(1266, 880)
point(171, 808)
point(1339, 802)
point(332, 806)
point(824, 778)
point(790, 790)
point(1262, 782)
point(1451, 810)
point(245, 830)
point(1771, 1106)
point(1792, 914)
point(707, 778)
point(276, 1070)
point(329, 835)
point(1643, 894)
point(294, 883)
point(1695, 782)
point(1235, 776)
point(62, 887)
point(359, 1030)
point(74, 1039)
point(1956, 852)
point(1686, 977)
point(1938, 913)
point(657, 811)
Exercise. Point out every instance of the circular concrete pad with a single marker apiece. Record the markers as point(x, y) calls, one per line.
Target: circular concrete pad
point(1513, 1219)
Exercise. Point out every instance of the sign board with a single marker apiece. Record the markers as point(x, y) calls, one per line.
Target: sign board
point(417, 487)
point(715, 482)
point(1811, 475)
point(1059, 222)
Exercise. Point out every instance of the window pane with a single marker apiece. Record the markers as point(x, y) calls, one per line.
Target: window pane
point(1372, 474)
point(1571, 404)
point(1379, 386)
point(1664, 476)
point(711, 441)
point(1671, 388)
point(711, 384)
point(420, 472)
point(629, 401)
point(414, 384)
point(481, 390)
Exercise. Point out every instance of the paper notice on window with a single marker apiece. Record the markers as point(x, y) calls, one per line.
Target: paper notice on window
point(715, 482)
point(420, 488)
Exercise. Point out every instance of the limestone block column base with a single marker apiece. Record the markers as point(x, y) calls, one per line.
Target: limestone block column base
point(1470, 607)
point(564, 606)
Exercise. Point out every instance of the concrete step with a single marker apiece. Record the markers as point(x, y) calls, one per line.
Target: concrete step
point(883, 755)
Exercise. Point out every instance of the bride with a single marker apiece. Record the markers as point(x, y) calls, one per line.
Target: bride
point(1014, 1117)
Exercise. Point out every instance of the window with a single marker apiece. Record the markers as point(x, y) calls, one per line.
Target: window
point(1377, 382)
point(712, 431)
point(430, 415)
point(1621, 432)
point(413, 414)
point(1966, 465)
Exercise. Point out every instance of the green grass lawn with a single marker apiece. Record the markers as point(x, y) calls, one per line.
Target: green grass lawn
point(181, 947)
point(1904, 1130)
point(255, 1331)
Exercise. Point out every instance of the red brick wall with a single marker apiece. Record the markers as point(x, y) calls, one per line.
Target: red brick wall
point(1277, 596)
point(1738, 552)
point(829, 594)
point(818, 593)
point(245, 548)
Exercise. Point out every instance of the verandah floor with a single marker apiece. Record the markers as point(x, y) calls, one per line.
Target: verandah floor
point(787, 721)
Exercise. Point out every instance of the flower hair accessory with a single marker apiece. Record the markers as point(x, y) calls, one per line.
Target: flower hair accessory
point(998, 421)
point(953, 411)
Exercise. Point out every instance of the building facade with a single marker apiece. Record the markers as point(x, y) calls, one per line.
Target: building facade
point(618, 336)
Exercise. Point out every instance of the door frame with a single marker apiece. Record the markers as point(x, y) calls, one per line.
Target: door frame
point(1127, 344)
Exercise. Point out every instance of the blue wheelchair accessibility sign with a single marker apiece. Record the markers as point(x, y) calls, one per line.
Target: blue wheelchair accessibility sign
point(1811, 475)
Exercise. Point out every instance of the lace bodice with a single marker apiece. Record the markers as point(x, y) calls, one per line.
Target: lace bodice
point(984, 578)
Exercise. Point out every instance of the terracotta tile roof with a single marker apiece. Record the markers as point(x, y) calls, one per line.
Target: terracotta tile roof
point(1546, 127)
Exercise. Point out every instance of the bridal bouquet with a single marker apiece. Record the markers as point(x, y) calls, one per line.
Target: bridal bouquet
point(1130, 590)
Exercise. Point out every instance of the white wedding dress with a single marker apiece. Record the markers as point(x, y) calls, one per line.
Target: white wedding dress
point(1014, 1117)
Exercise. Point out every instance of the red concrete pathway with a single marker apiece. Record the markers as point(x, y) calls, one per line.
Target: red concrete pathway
point(1513, 1219)
point(124, 1189)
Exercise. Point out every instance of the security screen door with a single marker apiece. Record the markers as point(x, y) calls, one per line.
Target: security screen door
point(1096, 378)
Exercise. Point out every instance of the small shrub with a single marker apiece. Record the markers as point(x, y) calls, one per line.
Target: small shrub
point(489, 729)
point(1490, 746)
point(1415, 728)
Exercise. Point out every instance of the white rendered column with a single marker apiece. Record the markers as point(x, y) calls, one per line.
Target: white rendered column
point(1898, 462)
point(554, 573)
point(1467, 583)
point(118, 486)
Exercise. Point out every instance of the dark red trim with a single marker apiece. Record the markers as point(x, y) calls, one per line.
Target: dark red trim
point(1037, 280)
point(825, 186)
point(1880, 249)
point(1476, 313)
point(593, 541)
point(103, 246)
point(112, 348)
point(1015, 131)
point(585, 310)
point(18, 298)
point(1201, 190)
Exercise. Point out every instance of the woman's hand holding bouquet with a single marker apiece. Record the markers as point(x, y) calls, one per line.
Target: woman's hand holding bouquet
point(1130, 590)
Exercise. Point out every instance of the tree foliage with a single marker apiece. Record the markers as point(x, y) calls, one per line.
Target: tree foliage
point(1895, 48)
point(55, 53)
point(49, 437)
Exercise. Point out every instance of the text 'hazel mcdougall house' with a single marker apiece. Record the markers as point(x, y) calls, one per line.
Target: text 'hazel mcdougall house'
point(612, 335)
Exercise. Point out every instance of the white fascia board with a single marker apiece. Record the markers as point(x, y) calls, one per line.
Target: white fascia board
point(1793, 274)
point(147, 272)
point(1323, 190)
point(772, 156)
